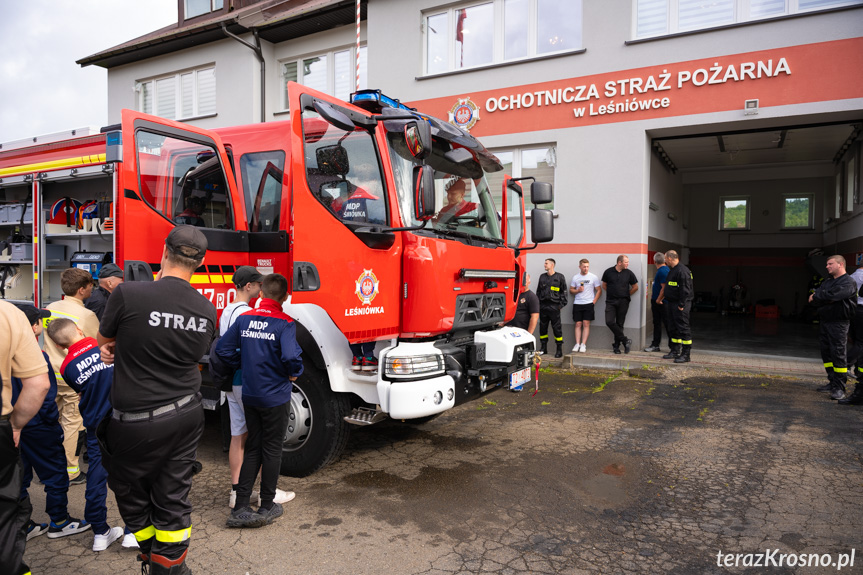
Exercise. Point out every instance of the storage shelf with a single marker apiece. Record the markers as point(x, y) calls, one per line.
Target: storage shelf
point(16, 262)
point(75, 235)
point(10, 224)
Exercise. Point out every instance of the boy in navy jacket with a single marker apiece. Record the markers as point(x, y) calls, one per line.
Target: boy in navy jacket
point(263, 343)
point(84, 372)
point(41, 448)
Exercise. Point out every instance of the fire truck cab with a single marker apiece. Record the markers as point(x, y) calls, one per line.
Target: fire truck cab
point(380, 217)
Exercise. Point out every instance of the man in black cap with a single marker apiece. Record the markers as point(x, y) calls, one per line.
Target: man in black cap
point(110, 276)
point(157, 332)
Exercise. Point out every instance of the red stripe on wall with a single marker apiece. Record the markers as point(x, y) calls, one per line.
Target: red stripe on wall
point(748, 261)
point(592, 249)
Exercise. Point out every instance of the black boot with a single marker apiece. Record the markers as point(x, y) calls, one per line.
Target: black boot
point(673, 353)
point(543, 349)
point(559, 352)
point(855, 398)
point(684, 355)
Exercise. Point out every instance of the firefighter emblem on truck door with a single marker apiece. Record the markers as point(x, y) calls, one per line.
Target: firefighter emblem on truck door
point(367, 287)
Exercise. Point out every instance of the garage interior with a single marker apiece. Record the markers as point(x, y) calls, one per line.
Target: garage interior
point(757, 212)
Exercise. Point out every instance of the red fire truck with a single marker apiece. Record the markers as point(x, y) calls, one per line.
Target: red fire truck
point(342, 200)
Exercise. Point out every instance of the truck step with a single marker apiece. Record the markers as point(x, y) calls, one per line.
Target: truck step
point(365, 416)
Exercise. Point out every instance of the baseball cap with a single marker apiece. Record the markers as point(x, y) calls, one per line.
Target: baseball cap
point(246, 274)
point(187, 241)
point(110, 271)
point(34, 314)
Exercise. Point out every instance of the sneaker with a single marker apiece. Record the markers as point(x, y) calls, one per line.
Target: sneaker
point(245, 517)
point(271, 514)
point(69, 527)
point(357, 363)
point(617, 350)
point(36, 529)
point(652, 348)
point(129, 541)
point(627, 346)
point(80, 480)
point(583, 348)
point(577, 348)
point(101, 542)
point(370, 363)
point(282, 496)
point(255, 498)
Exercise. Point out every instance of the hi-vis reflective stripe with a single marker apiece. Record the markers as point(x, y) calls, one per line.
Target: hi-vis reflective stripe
point(57, 315)
point(73, 470)
point(210, 279)
point(54, 165)
point(672, 284)
point(145, 533)
point(543, 337)
point(840, 369)
point(828, 365)
point(675, 340)
point(686, 341)
point(552, 288)
point(173, 536)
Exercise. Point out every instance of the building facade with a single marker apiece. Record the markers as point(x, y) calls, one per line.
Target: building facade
point(730, 131)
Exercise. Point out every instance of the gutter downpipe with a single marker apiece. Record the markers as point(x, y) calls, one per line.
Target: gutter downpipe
point(256, 48)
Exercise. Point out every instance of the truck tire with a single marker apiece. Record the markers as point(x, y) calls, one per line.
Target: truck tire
point(317, 432)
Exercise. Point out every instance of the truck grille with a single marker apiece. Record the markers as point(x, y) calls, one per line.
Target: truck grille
point(474, 310)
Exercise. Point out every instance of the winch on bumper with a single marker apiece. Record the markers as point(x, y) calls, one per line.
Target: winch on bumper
point(422, 379)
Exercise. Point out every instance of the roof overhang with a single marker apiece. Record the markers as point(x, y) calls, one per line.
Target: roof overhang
point(274, 21)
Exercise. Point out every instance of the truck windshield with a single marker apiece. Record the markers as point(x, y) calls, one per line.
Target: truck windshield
point(465, 206)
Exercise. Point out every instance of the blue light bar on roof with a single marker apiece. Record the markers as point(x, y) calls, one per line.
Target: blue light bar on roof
point(377, 97)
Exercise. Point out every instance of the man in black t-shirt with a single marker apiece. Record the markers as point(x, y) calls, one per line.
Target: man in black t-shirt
point(527, 312)
point(618, 283)
point(156, 333)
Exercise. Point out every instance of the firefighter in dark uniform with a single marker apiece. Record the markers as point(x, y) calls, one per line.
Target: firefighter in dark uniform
point(836, 300)
point(110, 276)
point(157, 332)
point(551, 291)
point(678, 296)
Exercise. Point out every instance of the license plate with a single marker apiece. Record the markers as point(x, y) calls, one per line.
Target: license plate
point(519, 377)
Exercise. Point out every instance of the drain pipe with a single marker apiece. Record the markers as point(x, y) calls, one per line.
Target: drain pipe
point(256, 48)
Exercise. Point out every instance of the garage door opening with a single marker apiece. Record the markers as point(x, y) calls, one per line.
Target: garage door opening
point(756, 214)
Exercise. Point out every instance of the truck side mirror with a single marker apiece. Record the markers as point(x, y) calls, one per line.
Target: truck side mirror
point(423, 180)
point(541, 225)
point(541, 193)
point(418, 139)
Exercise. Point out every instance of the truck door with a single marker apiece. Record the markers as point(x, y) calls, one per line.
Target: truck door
point(174, 174)
point(344, 259)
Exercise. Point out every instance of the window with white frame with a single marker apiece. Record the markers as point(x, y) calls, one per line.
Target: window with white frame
point(333, 73)
point(494, 31)
point(188, 94)
point(536, 161)
point(660, 17)
point(198, 7)
point(797, 212)
point(734, 213)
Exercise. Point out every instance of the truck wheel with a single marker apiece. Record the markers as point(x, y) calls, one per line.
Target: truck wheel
point(317, 432)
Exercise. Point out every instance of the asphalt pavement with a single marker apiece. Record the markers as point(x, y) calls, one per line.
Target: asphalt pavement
point(666, 470)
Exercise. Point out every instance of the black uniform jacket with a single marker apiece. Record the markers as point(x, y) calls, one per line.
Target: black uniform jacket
point(678, 285)
point(836, 299)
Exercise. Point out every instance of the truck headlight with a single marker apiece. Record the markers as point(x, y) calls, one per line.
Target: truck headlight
point(414, 365)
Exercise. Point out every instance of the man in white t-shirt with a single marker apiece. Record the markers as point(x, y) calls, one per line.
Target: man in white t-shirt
point(247, 280)
point(586, 288)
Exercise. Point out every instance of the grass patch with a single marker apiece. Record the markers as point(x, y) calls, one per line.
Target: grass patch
point(610, 378)
point(702, 414)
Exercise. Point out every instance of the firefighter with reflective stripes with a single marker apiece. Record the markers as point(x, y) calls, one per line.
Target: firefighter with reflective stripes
point(678, 295)
point(551, 291)
point(836, 300)
point(157, 332)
